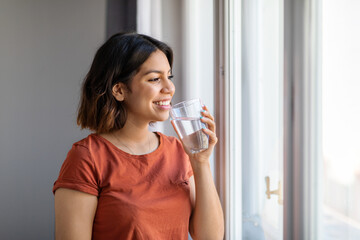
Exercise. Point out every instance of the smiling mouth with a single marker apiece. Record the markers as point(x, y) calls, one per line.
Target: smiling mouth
point(163, 103)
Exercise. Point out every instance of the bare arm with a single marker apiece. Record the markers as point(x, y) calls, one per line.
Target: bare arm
point(207, 220)
point(74, 214)
point(207, 216)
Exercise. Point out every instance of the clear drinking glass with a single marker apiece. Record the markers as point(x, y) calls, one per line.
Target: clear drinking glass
point(185, 118)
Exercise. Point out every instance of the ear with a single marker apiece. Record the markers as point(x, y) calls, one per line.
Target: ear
point(119, 91)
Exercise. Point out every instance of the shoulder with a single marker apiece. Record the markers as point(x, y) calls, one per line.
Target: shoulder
point(81, 157)
point(79, 150)
point(92, 143)
point(85, 148)
point(86, 142)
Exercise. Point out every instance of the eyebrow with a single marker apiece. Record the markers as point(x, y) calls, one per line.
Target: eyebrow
point(155, 71)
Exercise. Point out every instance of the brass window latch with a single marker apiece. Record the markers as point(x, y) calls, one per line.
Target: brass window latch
point(275, 192)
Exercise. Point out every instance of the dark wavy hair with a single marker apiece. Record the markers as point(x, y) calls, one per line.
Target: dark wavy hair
point(117, 60)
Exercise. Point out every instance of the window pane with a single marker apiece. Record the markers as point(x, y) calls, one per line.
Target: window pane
point(262, 120)
point(341, 119)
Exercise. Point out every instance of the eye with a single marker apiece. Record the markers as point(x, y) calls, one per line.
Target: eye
point(154, 80)
point(170, 77)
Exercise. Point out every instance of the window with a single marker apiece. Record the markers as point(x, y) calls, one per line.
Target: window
point(340, 119)
point(250, 106)
point(278, 147)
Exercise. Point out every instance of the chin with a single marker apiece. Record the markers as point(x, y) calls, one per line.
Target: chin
point(162, 118)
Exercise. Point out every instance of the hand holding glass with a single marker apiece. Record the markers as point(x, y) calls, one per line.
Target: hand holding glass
point(185, 118)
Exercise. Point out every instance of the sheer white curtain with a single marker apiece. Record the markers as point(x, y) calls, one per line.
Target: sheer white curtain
point(149, 18)
point(187, 26)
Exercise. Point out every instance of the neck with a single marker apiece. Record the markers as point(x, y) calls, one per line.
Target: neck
point(134, 133)
point(133, 138)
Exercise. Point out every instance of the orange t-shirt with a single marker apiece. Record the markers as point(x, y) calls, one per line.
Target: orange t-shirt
point(139, 196)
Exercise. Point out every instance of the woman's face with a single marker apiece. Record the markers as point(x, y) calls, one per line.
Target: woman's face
point(151, 90)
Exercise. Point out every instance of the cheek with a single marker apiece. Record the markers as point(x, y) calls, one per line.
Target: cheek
point(148, 95)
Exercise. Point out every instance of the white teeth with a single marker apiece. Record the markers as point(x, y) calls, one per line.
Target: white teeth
point(162, 103)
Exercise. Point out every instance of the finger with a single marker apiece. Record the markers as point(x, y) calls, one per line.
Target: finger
point(212, 136)
point(207, 114)
point(210, 123)
point(205, 107)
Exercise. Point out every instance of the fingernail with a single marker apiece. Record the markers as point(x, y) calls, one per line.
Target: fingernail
point(201, 117)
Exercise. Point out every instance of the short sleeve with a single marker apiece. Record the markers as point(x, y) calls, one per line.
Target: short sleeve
point(78, 172)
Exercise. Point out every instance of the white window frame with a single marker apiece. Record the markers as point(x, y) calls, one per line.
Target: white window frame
point(302, 117)
point(228, 150)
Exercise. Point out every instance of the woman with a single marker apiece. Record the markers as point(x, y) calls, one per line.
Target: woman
point(123, 181)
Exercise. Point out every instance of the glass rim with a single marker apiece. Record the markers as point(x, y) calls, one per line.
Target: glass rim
point(186, 103)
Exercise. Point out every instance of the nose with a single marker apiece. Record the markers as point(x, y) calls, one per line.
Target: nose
point(168, 87)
